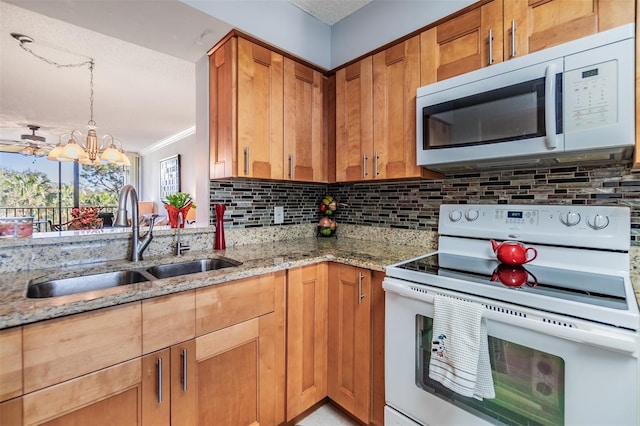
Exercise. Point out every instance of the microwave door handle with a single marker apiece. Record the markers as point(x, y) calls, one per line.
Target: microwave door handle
point(550, 105)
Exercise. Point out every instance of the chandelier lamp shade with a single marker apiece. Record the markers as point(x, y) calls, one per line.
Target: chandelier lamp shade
point(74, 146)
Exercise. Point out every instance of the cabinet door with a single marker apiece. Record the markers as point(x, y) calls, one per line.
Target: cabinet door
point(306, 337)
point(184, 398)
point(238, 379)
point(10, 363)
point(108, 397)
point(156, 391)
point(462, 44)
point(354, 121)
point(349, 342)
point(223, 154)
point(377, 345)
point(545, 23)
point(396, 77)
point(260, 111)
point(305, 156)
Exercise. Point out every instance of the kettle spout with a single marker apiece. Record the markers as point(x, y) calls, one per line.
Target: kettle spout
point(494, 245)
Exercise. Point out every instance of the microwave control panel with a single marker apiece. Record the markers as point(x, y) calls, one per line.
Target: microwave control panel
point(591, 96)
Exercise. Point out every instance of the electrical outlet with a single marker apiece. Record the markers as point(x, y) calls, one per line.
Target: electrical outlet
point(278, 214)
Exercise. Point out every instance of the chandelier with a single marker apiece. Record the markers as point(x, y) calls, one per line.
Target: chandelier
point(74, 146)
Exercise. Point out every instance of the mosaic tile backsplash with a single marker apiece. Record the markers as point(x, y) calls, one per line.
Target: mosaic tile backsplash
point(414, 204)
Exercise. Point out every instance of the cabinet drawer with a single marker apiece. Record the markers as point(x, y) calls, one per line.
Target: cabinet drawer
point(87, 396)
point(64, 348)
point(168, 320)
point(10, 363)
point(222, 305)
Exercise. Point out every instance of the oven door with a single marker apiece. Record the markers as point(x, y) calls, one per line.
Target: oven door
point(540, 378)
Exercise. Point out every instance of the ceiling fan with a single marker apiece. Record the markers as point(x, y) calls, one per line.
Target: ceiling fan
point(29, 144)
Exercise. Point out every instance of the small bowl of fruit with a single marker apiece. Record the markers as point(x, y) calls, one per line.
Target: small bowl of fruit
point(327, 225)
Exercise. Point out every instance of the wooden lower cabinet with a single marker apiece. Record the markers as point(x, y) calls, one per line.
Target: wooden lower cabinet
point(306, 337)
point(349, 342)
point(240, 374)
point(10, 363)
point(377, 349)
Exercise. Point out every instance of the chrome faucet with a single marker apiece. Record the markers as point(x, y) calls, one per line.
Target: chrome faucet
point(180, 247)
point(139, 244)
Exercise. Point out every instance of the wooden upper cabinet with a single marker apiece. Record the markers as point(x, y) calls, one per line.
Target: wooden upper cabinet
point(462, 44)
point(260, 111)
point(223, 156)
point(304, 152)
point(540, 24)
point(266, 115)
point(354, 121)
point(396, 77)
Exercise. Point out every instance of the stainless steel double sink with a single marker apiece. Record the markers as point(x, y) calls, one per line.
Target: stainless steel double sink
point(92, 282)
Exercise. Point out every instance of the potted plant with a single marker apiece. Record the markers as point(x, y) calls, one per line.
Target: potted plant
point(180, 202)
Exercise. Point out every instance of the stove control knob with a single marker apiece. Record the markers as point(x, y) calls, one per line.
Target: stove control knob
point(570, 219)
point(471, 215)
point(455, 215)
point(598, 222)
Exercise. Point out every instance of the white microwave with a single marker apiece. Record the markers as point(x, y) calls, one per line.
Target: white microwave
point(569, 103)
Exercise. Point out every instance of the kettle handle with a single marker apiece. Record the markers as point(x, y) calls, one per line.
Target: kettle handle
point(535, 254)
point(535, 280)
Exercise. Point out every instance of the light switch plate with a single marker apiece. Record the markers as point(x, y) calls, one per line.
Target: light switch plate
point(278, 214)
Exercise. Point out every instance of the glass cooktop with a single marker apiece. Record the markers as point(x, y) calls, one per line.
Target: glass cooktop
point(572, 285)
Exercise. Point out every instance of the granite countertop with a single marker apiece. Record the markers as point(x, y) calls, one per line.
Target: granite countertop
point(16, 309)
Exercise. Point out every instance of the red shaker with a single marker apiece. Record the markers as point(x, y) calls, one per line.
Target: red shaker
point(220, 243)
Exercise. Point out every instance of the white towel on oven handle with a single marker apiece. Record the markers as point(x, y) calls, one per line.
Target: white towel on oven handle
point(460, 351)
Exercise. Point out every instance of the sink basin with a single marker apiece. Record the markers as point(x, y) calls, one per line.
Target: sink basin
point(66, 286)
point(190, 267)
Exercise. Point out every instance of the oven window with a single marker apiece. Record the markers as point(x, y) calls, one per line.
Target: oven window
point(529, 384)
point(506, 114)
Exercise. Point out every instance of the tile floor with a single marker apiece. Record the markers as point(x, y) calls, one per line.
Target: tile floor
point(327, 415)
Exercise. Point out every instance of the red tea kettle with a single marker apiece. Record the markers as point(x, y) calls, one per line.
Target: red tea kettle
point(513, 276)
point(513, 252)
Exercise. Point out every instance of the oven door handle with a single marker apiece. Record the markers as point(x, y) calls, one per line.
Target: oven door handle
point(627, 343)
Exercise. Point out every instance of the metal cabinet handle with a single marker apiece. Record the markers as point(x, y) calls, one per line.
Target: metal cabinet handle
point(290, 166)
point(159, 371)
point(360, 295)
point(490, 46)
point(513, 38)
point(376, 172)
point(550, 105)
point(246, 160)
point(364, 164)
point(183, 380)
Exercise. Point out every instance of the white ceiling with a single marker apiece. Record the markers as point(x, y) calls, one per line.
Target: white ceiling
point(330, 11)
point(144, 86)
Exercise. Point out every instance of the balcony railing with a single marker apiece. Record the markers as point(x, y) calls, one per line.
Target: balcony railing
point(46, 218)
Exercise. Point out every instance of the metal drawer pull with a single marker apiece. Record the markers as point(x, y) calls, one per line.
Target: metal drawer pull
point(513, 38)
point(184, 370)
point(246, 160)
point(364, 164)
point(490, 46)
point(290, 166)
point(376, 172)
point(159, 369)
point(360, 295)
